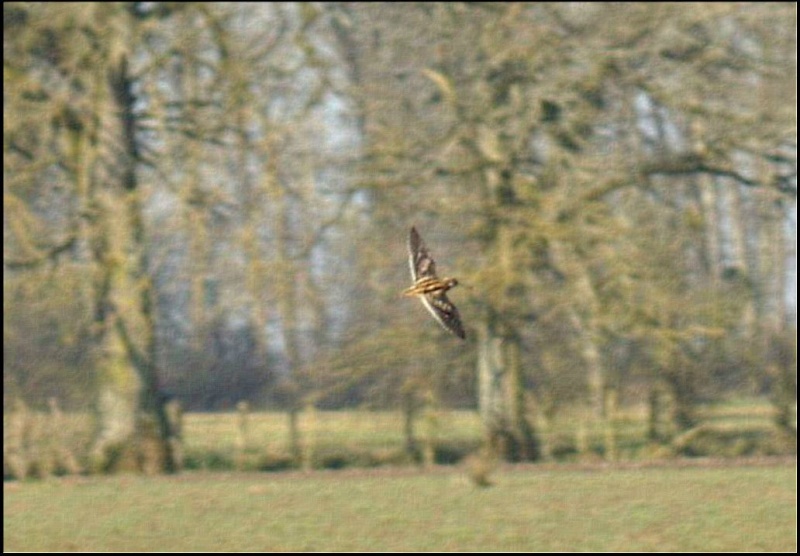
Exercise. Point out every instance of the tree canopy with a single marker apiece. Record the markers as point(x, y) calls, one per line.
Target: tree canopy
point(211, 201)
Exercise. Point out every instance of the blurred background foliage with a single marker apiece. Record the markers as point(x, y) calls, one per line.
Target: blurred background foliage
point(209, 202)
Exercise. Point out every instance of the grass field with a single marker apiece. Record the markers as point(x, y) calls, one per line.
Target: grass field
point(660, 508)
point(363, 438)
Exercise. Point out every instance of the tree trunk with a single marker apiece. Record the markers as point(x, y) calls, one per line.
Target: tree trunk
point(501, 398)
point(118, 384)
point(130, 406)
point(585, 323)
point(410, 411)
point(711, 228)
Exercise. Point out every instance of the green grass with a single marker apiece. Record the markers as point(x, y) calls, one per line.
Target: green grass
point(368, 428)
point(210, 437)
point(354, 437)
point(362, 438)
point(530, 508)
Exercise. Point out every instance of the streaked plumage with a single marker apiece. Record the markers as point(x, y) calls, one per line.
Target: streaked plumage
point(429, 288)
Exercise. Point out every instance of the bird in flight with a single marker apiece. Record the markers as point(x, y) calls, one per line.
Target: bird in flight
point(429, 288)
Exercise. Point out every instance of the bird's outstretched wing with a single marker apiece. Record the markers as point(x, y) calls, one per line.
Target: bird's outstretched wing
point(420, 261)
point(444, 312)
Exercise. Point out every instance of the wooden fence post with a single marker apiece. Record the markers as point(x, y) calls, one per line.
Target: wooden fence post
point(309, 434)
point(241, 440)
point(65, 458)
point(430, 429)
point(174, 411)
point(15, 456)
point(609, 425)
point(582, 444)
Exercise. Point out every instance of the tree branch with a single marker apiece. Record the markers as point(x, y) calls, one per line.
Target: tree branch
point(51, 254)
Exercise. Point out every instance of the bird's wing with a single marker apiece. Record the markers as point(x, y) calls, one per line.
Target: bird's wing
point(444, 312)
point(419, 260)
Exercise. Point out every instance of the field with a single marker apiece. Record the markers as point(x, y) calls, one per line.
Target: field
point(727, 505)
point(382, 501)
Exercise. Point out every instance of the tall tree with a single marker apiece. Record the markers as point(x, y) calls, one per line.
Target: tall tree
point(84, 80)
point(543, 134)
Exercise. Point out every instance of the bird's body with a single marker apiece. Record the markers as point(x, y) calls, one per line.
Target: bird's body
point(429, 284)
point(431, 289)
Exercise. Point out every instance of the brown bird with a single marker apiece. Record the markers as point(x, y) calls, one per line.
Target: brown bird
point(429, 288)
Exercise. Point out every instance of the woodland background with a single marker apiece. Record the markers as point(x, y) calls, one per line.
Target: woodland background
point(208, 203)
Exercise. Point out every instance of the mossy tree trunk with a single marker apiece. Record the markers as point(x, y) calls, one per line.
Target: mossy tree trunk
point(130, 409)
point(501, 393)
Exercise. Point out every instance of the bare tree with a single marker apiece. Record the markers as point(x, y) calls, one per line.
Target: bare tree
point(544, 135)
point(228, 188)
